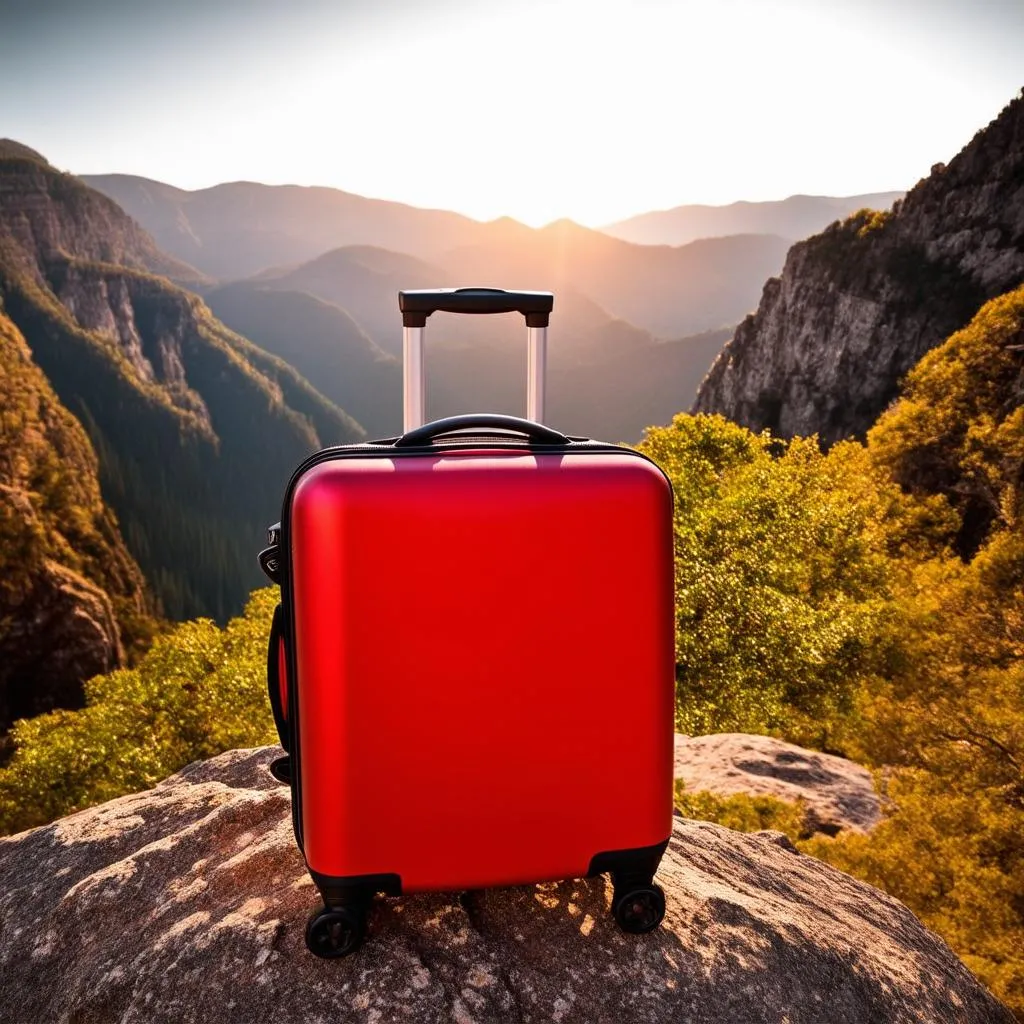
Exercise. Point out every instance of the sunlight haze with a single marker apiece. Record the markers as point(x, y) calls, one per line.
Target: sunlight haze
point(534, 110)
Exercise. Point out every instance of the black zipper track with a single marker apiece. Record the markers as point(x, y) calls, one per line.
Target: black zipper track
point(386, 449)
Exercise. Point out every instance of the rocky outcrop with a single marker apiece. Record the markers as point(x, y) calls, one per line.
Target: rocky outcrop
point(70, 594)
point(63, 633)
point(836, 793)
point(50, 215)
point(188, 903)
point(194, 427)
point(858, 305)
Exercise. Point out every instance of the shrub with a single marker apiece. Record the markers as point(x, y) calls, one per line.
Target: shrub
point(199, 690)
point(742, 812)
point(786, 561)
point(959, 427)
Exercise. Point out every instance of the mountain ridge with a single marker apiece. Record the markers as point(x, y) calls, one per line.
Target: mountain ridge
point(216, 229)
point(859, 304)
point(235, 232)
point(193, 425)
point(607, 377)
point(794, 217)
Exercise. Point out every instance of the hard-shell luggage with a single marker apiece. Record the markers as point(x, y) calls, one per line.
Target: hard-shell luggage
point(472, 665)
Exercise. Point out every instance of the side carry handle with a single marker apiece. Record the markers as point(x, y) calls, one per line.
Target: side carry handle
point(277, 676)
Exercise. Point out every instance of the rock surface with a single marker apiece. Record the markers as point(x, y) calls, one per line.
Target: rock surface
point(188, 903)
point(858, 305)
point(837, 793)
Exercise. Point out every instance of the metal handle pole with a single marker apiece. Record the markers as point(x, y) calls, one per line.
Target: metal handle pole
point(536, 371)
point(413, 379)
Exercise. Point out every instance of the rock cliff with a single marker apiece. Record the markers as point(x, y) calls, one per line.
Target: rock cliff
point(188, 903)
point(196, 430)
point(70, 594)
point(49, 215)
point(859, 304)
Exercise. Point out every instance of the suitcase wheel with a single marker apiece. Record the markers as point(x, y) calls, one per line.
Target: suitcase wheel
point(639, 910)
point(335, 933)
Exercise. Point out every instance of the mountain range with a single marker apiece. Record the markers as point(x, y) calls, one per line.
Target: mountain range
point(236, 229)
point(167, 386)
point(243, 230)
point(793, 218)
point(195, 427)
point(665, 306)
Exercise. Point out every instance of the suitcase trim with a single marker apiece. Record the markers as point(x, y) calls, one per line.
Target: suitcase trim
point(627, 868)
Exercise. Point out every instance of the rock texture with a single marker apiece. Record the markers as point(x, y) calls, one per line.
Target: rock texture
point(188, 903)
point(52, 215)
point(837, 793)
point(858, 305)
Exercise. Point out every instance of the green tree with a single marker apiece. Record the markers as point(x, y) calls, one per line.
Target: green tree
point(786, 560)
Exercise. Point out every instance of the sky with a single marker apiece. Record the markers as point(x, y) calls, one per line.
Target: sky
point(536, 109)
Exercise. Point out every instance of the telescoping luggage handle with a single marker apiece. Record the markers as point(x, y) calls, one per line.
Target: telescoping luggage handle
point(417, 305)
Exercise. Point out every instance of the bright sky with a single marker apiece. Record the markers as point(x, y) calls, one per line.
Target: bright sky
point(539, 109)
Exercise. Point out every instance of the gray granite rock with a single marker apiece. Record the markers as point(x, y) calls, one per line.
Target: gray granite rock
point(187, 903)
point(836, 793)
point(859, 304)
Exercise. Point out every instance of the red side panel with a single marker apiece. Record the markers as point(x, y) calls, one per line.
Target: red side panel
point(485, 663)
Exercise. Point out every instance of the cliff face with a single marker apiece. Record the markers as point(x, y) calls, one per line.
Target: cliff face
point(49, 215)
point(196, 430)
point(859, 304)
point(70, 594)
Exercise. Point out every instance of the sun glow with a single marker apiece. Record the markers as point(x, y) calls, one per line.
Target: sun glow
point(537, 110)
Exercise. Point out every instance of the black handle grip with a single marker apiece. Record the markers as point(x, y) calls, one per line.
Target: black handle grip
point(536, 432)
point(417, 305)
point(276, 686)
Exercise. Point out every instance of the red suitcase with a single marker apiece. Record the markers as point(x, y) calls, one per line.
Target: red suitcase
point(472, 666)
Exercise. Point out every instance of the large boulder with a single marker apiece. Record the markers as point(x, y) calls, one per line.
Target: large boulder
point(836, 793)
point(188, 903)
point(65, 631)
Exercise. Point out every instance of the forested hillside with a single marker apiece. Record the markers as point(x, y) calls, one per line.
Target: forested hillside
point(195, 428)
point(322, 342)
point(72, 600)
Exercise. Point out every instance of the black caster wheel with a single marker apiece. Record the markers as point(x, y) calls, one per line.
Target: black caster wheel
point(335, 933)
point(639, 910)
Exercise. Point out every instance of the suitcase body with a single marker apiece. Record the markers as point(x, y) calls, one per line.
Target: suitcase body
point(473, 666)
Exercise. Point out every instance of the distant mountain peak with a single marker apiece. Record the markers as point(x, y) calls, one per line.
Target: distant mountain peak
point(795, 217)
point(236, 229)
